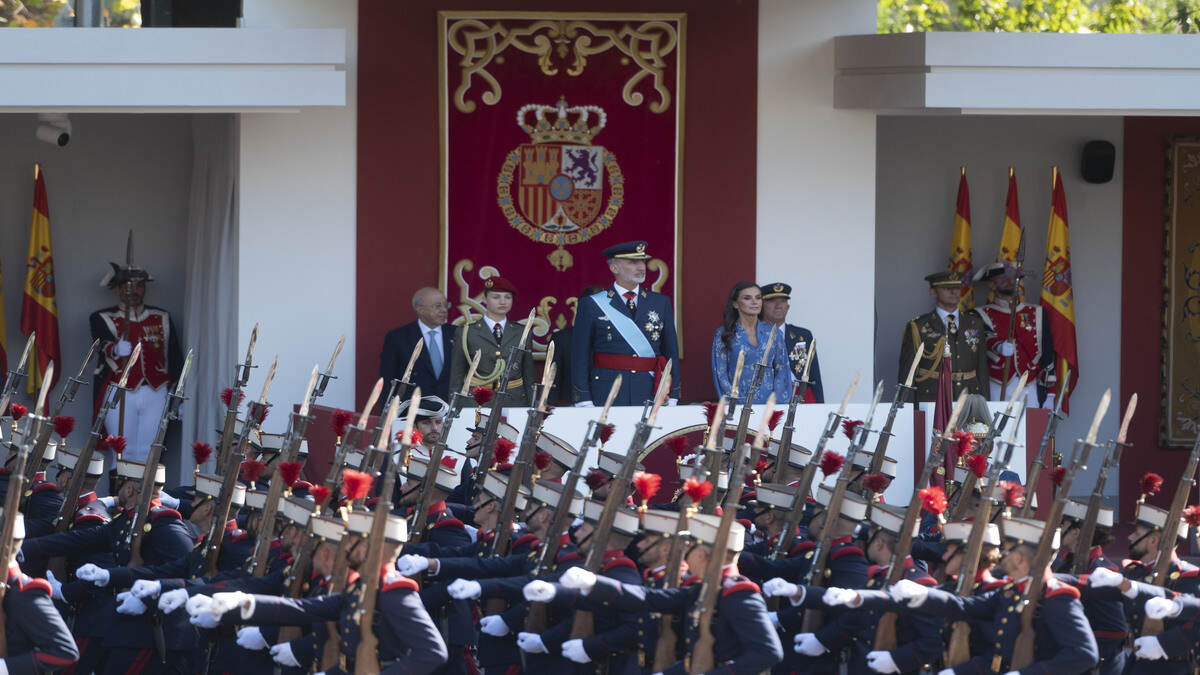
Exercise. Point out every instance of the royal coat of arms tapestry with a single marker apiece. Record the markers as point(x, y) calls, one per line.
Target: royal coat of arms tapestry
point(560, 135)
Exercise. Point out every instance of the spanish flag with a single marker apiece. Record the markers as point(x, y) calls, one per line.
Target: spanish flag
point(1058, 298)
point(1010, 235)
point(39, 310)
point(960, 242)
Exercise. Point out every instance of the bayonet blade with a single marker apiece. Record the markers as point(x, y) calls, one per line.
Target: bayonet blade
point(371, 401)
point(133, 357)
point(25, 353)
point(764, 431)
point(1100, 410)
point(1020, 389)
point(183, 373)
point(336, 351)
point(1129, 408)
point(88, 358)
point(912, 370)
point(846, 401)
point(393, 409)
point(612, 395)
point(250, 347)
point(874, 404)
point(262, 399)
point(466, 388)
point(47, 378)
point(547, 377)
point(737, 374)
point(312, 384)
point(412, 360)
point(528, 327)
point(664, 386)
point(812, 353)
point(958, 406)
point(718, 419)
point(547, 374)
point(767, 353)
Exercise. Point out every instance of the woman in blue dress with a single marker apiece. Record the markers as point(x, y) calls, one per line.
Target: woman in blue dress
point(742, 331)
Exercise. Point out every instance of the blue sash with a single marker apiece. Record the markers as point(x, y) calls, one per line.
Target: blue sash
point(625, 326)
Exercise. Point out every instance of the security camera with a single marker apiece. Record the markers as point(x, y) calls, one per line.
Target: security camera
point(54, 128)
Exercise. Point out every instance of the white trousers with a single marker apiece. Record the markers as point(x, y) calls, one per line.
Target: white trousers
point(143, 408)
point(1030, 393)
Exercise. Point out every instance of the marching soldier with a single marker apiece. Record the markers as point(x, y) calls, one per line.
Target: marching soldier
point(1030, 349)
point(947, 338)
point(38, 640)
point(493, 336)
point(626, 330)
point(776, 302)
point(1106, 614)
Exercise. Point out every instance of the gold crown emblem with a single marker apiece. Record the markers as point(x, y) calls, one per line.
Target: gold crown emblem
point(489, 283)
point(778, 288)
point(577, 125)
point(641, 248)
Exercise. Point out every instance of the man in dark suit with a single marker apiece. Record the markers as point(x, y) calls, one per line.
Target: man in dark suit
point(432, 370)
point(626, 330)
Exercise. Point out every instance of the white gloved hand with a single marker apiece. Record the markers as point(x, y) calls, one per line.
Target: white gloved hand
point(946, 671)
point(672, 401)
point(204, 620)
point(1163, 608)
point(909, 592)
point(1006, 348)
point(779, 587)
point(223, 602)
point(146, 588)
point(539, 591)
point(494, 626)
point(573, 649)
point(411, 565)
point(464, 589)
point(251, 638)
point(168, 501)
point(840, 597)
point(585, 404)
point(107, 502)
point(173, 600)
point(128, 604)
point(774, 617)
point(1102, 577)
point(93, 573)
point(282, 654)
point(123, 348)
point(808, 645)
point(532, 643)
point(198, 604)
point(578, 579)
point(882, 662)
point(55, 584)
point(1148, 648)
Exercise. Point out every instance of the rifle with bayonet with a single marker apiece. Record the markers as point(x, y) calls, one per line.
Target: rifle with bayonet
point(256, 411)
point(1031, 599)
point(664, 649)
point(486, 446)
point(458, 400)
point(584, 623)
point(141, 517)
point(66, 513)
point(715, 456)
point(67, 395)
point(394, 390)
point(702, 658)
point(15, 375)
point(760, 369)
point(885, 631)
point(366, 659)
point(962, 498)
point(959, 650)
point(784, 543)
point(816, 573)
point(349, 441)
point(1112, 457)
point(16, 488)
point(902, 391)
point(1045, 447)
point(535, 621)
point(789, 422)
point(241, 375)
point(291, 447)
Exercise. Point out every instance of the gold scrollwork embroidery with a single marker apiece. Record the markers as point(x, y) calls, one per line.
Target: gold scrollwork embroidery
point(645, 45)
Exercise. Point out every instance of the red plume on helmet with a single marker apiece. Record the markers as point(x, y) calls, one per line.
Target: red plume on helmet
point(933, 500)
point(1191, 515)
point(1150, 484)
point(17, 411)
point(1014, 493)
point(116, 444)
point(482, 395)
point(63, 425)
point(774, 420)
point(849, 427)
point(319, 493)
point(356, 484)
point(201, 452)
point(541, 460)
point(678, 445)
point(1057, 474)
point(978, 464)
point(876, 482)
point(697, 489)
point(339, 420)
point(710, 412)
point(831, 462)
point(646, 484)
point(606, 432)
point(227, 396)
point(964, 442)
point(290, 472)
point(595, 478)
point(502, 451)
point(252, 469)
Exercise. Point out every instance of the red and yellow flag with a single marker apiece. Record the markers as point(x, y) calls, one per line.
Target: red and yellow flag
point(1010, 234)
point(1058, 298)
point(960, 242)
point(39, 310)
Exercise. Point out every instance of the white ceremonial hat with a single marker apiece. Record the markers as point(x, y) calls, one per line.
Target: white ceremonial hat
point(496, 485)
point(446, 478)
point(660, 521)
point(960, 531)
point(1156, 518)
point(550, 493)
point(704, 528)
point(395, 531)
point(296, 509)
point(776, 495)
point(19, 526)
point(329, 528)
point(1026, 531)
point(625, 521)
point(560, 451)
point(862, 460)
point(891, 518)
point(67, 459)
point(127, 468)
point(256, 499)
point(612, 461)
point(854, 506)
point(96, 466)
point(1076, 509)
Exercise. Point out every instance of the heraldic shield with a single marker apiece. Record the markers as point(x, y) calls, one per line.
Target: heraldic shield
point(553, 188)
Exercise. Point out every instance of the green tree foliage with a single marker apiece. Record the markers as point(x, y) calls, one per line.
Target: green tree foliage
point(1040, 16)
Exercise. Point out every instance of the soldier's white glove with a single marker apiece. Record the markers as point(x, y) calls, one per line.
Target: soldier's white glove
point(173, 600)
point(672, 401)
point(204, 620)
point(1163, 608)
point(123, 348)
point(1006, 348)
point(411, 565)
point(251, 638)
point(55, 584)
point(107, 502)
point(774, 617)
point(946, 671)
point(808, 645)
point(1148, 648)
point(494, 626)
point(539, 591)
point(464, 589)
point(573, 649)
point(909, 592)
point(841, 597)
point(146, 588)
point(1102, 577)
point(93, 573)
point(223, 602)
point(532, 643)
point(882, 662)
point(282, 654)
point(779, 587)
point(579, 579)
point(128, 604)
point(585, 404)
point(198, 604)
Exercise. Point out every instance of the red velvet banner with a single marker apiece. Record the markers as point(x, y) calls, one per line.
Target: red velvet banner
point(561, 135)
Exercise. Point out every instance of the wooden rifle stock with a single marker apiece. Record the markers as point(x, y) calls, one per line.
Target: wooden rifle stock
point(885, 632)
point(67, 395)
point(337, 584)
point(1167, 539)
point(1023, 649)
point(241, 376)
point(1044, 448)
point(492, 429)
point(12, 503)
point(885, 436)
point(428, 483)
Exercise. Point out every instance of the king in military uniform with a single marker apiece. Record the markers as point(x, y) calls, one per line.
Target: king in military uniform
point(626, 330)
point(947, 336)
point(493, 336)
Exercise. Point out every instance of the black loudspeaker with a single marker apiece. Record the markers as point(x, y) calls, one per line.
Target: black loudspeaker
point(1098, 160)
